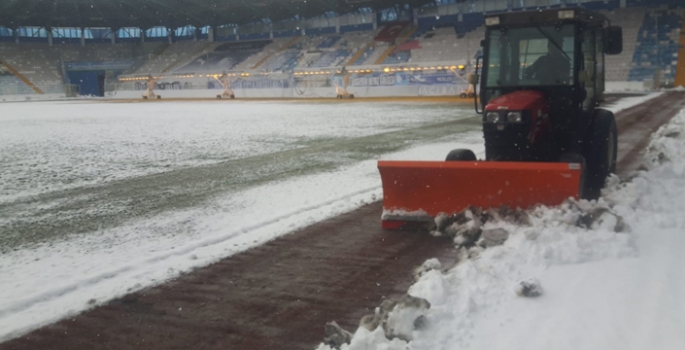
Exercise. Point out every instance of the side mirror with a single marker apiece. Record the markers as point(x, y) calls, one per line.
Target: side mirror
point(613, 40)
point(473, 79)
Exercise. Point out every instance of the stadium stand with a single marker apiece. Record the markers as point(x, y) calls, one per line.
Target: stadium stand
point(216, 57)
point(379, 48)
point(331, 58)
point(442, 44)
point(652, 42)
point(12, 85)
point(174, 55)
point(336, 50)
point(618, 66)
point(282, 61)
point(258, 58)
point(328, 42)
point(359, 44)
point(362, 55)
point(657, 46)
point(35, 62)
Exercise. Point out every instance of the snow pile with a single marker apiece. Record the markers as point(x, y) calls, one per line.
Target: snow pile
point(598, 261)
point(393, 322)
point(499, 254)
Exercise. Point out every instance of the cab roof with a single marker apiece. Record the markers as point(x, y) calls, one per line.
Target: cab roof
point(545, 17)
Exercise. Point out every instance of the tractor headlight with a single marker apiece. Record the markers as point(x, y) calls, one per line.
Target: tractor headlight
point(514, 117)
point(492, 117)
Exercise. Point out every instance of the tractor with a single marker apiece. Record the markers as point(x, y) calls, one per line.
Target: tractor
point(540, 85)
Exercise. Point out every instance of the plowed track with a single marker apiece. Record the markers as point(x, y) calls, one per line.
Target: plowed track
point(279, 295)
point(637, 124)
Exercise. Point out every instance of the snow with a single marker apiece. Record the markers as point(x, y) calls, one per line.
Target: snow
point(49, 146)
point(50, 281)
point(609, 286)
point(627, 102)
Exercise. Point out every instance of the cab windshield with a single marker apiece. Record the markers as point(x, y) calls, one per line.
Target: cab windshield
point(531, 56)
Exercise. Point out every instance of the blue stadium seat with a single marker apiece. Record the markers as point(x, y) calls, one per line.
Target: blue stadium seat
point(655, 48)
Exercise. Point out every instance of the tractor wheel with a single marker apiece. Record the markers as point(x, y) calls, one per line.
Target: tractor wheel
point(601, 152)
point(460, 155)
point(578, 159)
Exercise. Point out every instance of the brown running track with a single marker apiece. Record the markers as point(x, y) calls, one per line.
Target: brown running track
point(279, 295)
point(638, 123)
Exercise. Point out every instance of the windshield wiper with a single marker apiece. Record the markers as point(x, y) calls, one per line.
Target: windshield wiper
point(553, 42)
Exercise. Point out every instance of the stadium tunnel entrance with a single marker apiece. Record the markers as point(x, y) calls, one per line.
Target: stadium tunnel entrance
point(92, 83)
point(91, 76)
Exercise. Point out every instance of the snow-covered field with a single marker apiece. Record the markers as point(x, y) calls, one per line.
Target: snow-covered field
point(65, 151)
point(49, 146)
point(75, 174)
point(607, 286)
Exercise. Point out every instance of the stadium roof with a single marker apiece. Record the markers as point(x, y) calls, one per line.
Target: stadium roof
point(171, 13)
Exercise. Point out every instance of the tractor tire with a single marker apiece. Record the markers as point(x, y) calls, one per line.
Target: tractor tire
point(578, 159)
point(600, 153)
point(461, 155)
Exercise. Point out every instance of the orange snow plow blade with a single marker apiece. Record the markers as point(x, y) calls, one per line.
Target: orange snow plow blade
point(419, 190)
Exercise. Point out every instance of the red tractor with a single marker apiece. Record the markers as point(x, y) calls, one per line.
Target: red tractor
point(542, 79)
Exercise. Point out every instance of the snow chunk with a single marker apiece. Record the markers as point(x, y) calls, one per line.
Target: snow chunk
point(406, 316)
point(493, 237)
point(336, 336)
point(529, 288)
point(428, 265)
point(398, 318)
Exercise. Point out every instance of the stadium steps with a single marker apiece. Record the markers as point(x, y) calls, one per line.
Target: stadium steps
point(183, 60)
point(283, 48)
point(21, 77)
point(680, 67)
point(158, 53)
point(360, 53)
point(407, 33)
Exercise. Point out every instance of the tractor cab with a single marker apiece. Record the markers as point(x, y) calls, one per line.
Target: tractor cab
point(542, 75)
